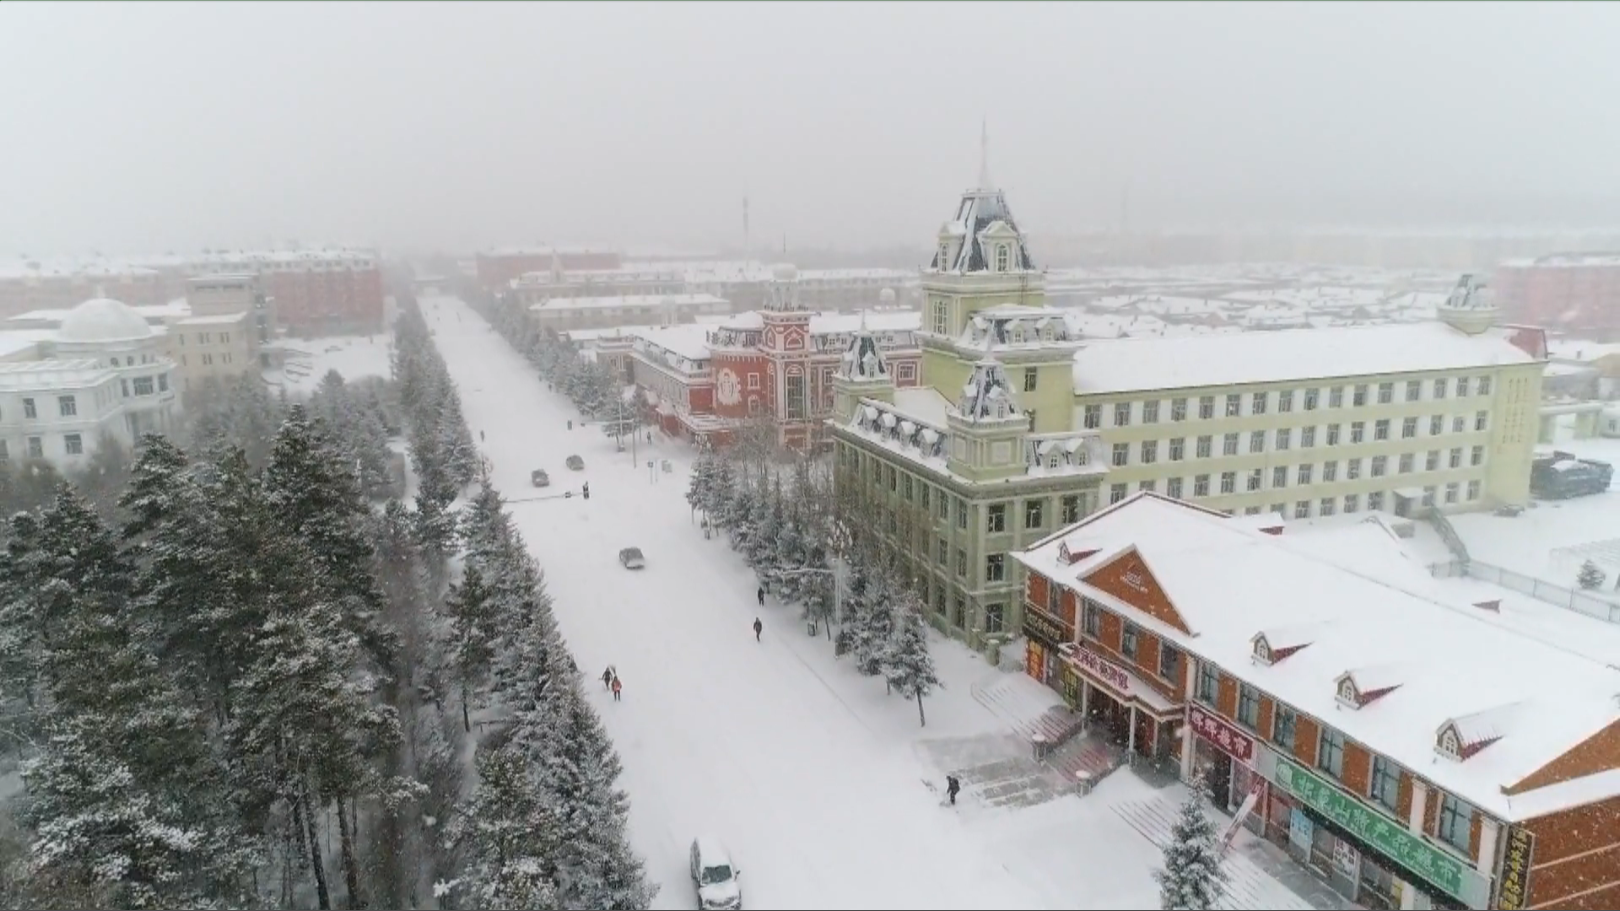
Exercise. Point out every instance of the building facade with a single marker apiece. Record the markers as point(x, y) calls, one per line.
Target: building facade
point(496, 269)
point(1414, 750)
point(1577, 293)
point(55, 284)
point(561, 314)
point(335, 291)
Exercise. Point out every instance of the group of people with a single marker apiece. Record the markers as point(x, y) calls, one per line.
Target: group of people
point(610, 680)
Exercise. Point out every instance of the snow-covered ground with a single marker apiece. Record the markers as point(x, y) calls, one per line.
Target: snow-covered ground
point(825, 788)
point(309, 359)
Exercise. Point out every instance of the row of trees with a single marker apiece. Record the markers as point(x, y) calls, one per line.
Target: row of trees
point(785, 526)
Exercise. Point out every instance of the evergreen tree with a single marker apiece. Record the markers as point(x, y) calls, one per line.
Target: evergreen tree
point(1192, 878)
point(908, 668)
point(698, 490)
point(471, 635)
point(434, 527)
point(1591, 576)
point(762, 551)
point(718, 495)
point(873, 626)
point(509, 837)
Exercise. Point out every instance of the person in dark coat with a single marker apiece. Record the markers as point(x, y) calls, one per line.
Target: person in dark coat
point(607, 677)
point(758, 629)
point(761, 595)
point(952, 788)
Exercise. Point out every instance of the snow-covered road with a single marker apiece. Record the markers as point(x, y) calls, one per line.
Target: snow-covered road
point(719, 735)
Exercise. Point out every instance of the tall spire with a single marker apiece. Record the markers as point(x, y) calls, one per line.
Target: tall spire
point(984, 155)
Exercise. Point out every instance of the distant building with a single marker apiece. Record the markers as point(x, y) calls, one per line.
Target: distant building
point(560, 314)
point(50, 284)
point(1569, 292)
point(497, 268)
point(333, 291)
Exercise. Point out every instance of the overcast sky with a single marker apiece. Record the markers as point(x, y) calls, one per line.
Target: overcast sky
point(151, 127)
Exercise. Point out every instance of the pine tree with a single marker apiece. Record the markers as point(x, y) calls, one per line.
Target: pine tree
point(698, 490)
point(509, 837)
point(908, 668)
point(718, 495)
point(871, 624)
point(471, 636)
point(1591, 576)
point(762, 552)
point(1192, 878)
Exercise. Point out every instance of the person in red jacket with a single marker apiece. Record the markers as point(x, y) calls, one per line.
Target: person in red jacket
point(617, 687)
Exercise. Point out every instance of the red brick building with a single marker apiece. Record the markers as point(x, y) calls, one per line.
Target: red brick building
point(58, 284)
point(1569, 292)
point(314, 292)
point(1413, 749)
point(497, 268)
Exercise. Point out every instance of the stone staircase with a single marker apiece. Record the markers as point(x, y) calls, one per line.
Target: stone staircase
point(1037, 715)
point(1030, 709)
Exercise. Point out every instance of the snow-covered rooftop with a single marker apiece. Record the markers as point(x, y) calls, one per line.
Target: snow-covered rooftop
point(629, 300)
point(1371, 610)
point(1241, 358)
point(70, 267)
point(876, 321)
point(689, 340)
point(53, 373)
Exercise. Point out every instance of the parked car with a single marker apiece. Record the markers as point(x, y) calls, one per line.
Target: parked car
point(539, 478)
point(575, 463)
point(631, 558)
point(714, 876)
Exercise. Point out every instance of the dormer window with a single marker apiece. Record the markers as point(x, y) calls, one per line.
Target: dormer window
point(944, 257)
point(1003, 257)
point(1449, 745)
point(1348, 695)
point(1262, 650)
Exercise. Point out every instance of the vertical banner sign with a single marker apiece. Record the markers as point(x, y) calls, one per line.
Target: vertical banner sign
point(1514, 888)
point(1243, 811)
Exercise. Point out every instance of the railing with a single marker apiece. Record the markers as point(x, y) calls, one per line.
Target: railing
point(1448, 534)
point(1546, 592)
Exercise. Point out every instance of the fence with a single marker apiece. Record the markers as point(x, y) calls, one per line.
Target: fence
point(1557, 595)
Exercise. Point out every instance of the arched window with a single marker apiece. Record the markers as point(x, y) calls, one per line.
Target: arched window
point(1002, 258)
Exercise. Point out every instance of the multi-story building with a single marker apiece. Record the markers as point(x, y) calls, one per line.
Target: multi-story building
point(532, 288)
point(315, 292)
point(1571, 292)
point(1415, 749)
point(55, 284)
point(560, 314)
point(497, 268)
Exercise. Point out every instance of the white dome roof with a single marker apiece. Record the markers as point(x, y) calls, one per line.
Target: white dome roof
point(103, 319)
point(784, 272)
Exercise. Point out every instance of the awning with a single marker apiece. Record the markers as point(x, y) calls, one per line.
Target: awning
point(1122, 683)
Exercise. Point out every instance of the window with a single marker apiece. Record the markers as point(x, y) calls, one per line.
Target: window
point(994, 617)
point(1352, 469)
point(1302, 509)
point(995, 567)
point(1358, 397)
point(1255, 478)
point(163, 379)
point(961, 514)
point(1440, 388)
point(944, 557)
point(36, 447)
point(1336, 397)
point(28, 409)
point(1093, 418)
point(1381, 429)
point(942, 311)
point(1384, 787)
point(225, 338)
point(1333, 434)
point(1327, 507)
point(1303, 475)
point(1201, 485)
point(1150, 451)
point(1456, 822)
point(1150, 412)
point(905, 487)
point(1484, 386)
point(1279, 476)
point(74, 443)
point(1234, 405)
point(203, 338)
point(1330, 471)
point(1311, 396)
point(1456, 457)
point(1283, 722)
point(1206, 406)
point(1451, 492)
point(1285, 400)
point(1406, 463)
point(1352, 502)
point(1248, 707)
point(1172, 487)
point(894, 479)
point(1408, 428)
point(1071, 508)
point(1358, 430)
point(1473, 490)
point(1204, 443)
point(67, 405)
point(1386, 393)
point(1459, 423)
point(1209, 683)
point(1228, 482)
point(1437, 425)
point(1178, 448)
point(1375, 500)
point(1118, 492)
point(995, 518)
point(1480, 419)
point(1031, 375)
point(1122, 453)
point(1169, 662)
point(1091, 619)
point(1002, 258)
point(944, 506)
point(1307, 437)
point(1229, 444)
point(1284, 437)
point(1432, 461)
point(1178, 409)
point(1414, 390)
point(1122, 414)
point(1380, 464)
point(1033, 517)
point(1257, 441)
point(143, 385)
point(1127, 641)
point(1330, 753)
point(1257, 403)
point(961, 562)
point(1147, 485)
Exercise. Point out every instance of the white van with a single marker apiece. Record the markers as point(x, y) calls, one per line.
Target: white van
point(714, 876)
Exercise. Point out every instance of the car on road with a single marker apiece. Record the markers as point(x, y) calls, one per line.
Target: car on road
point(714, 876)
point(539, 478)
point(631, 558)
point(575, 463)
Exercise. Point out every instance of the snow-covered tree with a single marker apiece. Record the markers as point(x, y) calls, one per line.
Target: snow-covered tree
point(1591, 576)
point(700, 488)
point(509, 838)
point(908, 668)
point(470, 635)
point(762, 549)
point(1192, 878)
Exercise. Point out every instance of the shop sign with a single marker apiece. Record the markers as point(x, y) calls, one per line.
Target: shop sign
point(1103, 669)
point(1346, 858)
point(1214, 729)
point(1426, 861)
point(1515, 885)
point(1043, 627)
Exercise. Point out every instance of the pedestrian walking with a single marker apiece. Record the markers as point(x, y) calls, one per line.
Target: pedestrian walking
point(480, 436)
point(617, 687)
point(761, 595)
point(607, 677)
point(758, 629)
point(952, 788)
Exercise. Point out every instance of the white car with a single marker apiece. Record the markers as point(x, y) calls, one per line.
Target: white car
point(714, 876)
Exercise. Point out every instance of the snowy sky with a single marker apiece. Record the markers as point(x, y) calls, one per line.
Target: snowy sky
point(146, 127)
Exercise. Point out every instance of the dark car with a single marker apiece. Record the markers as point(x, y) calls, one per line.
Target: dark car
point(631, 558)
point(539, 478)
point(575, 463)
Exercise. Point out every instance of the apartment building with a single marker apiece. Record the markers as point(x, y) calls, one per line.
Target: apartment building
point(1413, 749)
point(560, 314)
point(1316, 422)
point(1571, 292)
point(44, 284)
point(325, 291)
point(497, 268)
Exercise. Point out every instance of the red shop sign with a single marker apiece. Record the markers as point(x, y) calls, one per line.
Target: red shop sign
point(1215, 730)
point(1102, 669)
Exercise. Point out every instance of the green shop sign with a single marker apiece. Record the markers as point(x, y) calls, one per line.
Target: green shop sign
point(1392, 839)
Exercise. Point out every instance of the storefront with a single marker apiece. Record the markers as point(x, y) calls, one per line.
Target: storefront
point(1225, 756)
point(1044, 636)
point(1119, 704)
